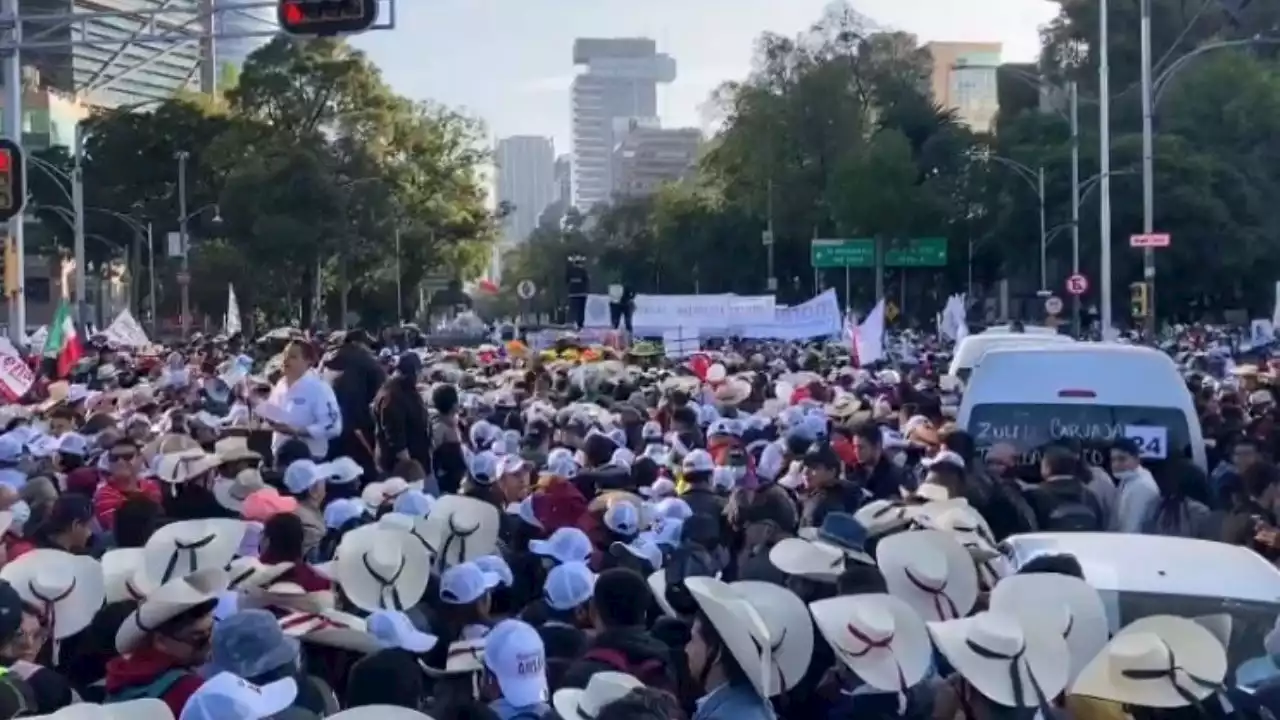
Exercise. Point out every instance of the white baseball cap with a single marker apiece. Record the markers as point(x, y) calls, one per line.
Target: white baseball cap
point(569, 586)
point(394, 629)
point(515, 654)
point(301, 476)
point(226, 695)
point(623, 519)
point(73, 443)
point(567, 544)
point(466, 583)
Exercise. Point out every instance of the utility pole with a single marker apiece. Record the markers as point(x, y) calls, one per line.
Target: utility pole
point(77, 202)
point(1044, 237)
point(208, 48)
point(1148, 169)
point(772, 281)
point(184, 280)
point(1075, 202)
point(1104, 183)
point(399, 278)
point(151, 277)
point(13, 128)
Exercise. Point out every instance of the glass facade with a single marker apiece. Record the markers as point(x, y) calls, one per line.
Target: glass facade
point(229, 20)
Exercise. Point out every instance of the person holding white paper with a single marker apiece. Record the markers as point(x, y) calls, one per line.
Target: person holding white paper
point(302, 404)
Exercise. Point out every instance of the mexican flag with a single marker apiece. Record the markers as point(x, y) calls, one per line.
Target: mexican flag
point(63, 343)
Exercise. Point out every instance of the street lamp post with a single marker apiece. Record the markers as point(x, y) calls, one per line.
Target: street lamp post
point(1075, 202)
point(1034, 178)
point(184, 281)
point(1104, 164)
point(1148, 172)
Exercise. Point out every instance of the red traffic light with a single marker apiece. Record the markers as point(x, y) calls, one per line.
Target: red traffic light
point(326, 17)
point(13, 183)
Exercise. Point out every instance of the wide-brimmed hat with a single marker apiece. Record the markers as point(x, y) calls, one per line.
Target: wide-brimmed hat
point(123, 578)
point(167, 602)
point(790, 628)
point(143, 709)
point(847, 409)
point(68, 589)
point(1063, 603)
point(744, 632)
point(841, 531)
point(234, 449)
point(734, 391)
point(331, 628)
point(288, 596)
point(179, 467)
point(463, 658)
point(380, 712)
point(382, 568)
point(232, 492)
point(602, 689)
point(1160, 661)
point(881, 517)
point(460, 529)
point(879, 637)
point(1009, 663)
point(929, 571)
point(184, 547)
point(250, 572)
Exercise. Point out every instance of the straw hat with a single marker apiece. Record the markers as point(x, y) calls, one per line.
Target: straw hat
point(121, 574)
point(879, 637)
point(380, 712)
point(179, 467)
point(790, 627)
point(381, 568)
point(1159, 661)
point(460, 529)
point(144, 709)
point(167, 602)
point(847, 409)
point(187, 546)
point(232, 492)
point(733, 392)
point(929, 571)
point(602, 689)
point(1062, 603)
point(250, 572)
point(1011, 664)
point(168, 444)
point(289, 596)
point(234, 449)
point(465, 657)
point(743, 631)
point(68, 589)
point(330, 628)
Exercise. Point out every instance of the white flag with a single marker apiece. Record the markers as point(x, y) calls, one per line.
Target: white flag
point(125, 331)
point(870, 338)
point(233, 311)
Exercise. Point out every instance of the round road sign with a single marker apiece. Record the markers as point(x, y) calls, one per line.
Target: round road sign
point(525, 289)
point(1077, 284)
point(1053, 305)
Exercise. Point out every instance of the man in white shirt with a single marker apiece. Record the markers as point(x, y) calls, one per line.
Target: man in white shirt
point(304, 404)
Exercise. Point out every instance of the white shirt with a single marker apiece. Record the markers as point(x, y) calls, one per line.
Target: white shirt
point(312, 409)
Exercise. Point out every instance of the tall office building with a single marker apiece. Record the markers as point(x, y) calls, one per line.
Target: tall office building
point(648, 155)
point(965, 79)
point(113, 75)
point(620, 80)
point(525, 178)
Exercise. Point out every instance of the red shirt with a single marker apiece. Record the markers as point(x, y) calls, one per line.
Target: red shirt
point(303, 574)
point(112, 494)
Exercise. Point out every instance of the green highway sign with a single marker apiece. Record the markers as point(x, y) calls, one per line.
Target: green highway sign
point(861, 253)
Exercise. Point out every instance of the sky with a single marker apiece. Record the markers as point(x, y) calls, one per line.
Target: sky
point(509, 62)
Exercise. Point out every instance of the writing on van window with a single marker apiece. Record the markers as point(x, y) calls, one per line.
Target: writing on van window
point(990, 432)
point(1061, 430)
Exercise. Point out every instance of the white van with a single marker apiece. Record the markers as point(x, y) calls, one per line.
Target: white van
point(1090, 393)
point(1026, 329)
point(973, 347)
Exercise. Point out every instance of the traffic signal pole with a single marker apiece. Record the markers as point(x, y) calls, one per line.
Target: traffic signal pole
point(45, 33)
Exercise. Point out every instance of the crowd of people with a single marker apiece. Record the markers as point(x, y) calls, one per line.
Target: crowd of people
point(310, 527)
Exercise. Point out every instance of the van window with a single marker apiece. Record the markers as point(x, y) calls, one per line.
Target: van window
point(1162, 432)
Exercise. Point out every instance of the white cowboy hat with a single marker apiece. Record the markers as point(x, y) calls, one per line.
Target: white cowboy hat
point(179, 467)
point(232, 492)
point(1160, 661)
point(234, 449)
point(460, 529)
point(1063, 603)
point(181, 548)
point(122, 576)
point(602, 689)
point(289, 596)
point(790, 628)
point(744, 632)
point(970, 529)
point(658, 586)
point(879, 637)
point(68, 589)
point(1009, 663)
point(929, 571)
point(381, 568)
point(330, 628)
point(250, 572)
point(167, 602)
point(377, 494)
point(465, 657)
point(881, 517)
point(144, 709)
point(380, 712)
point(733, 392)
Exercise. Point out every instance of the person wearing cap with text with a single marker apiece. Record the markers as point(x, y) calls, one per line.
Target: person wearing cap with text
point(566, 596)
point(516, 678)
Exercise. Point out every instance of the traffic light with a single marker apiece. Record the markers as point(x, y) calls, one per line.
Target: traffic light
point(13, 179)
point(326, 17)
point(1138, 299)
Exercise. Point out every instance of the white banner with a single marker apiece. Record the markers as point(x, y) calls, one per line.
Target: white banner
point(817, 317)
point(126, 332)
point(711, 313)
point(15, 375)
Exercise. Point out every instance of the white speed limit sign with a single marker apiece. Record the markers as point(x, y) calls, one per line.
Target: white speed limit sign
point(1053, 305)
point(525, 289)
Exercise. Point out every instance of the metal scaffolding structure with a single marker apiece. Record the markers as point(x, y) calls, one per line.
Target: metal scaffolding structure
point(166, 26)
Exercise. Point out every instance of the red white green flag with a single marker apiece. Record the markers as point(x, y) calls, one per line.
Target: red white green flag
point(63, 342)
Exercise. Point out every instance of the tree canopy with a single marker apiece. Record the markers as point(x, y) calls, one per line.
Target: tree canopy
point(836, 134)
point(304, 176)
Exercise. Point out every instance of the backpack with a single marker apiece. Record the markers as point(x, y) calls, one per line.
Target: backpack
point(652, 672)
point(1075, 514)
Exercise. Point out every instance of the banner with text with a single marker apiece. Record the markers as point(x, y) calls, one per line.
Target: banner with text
point(710, 313)
point(817, 317)
point(16, 376)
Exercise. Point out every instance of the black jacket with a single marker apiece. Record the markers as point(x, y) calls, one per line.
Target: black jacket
point(401, 423)
point(360, 377)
